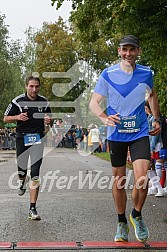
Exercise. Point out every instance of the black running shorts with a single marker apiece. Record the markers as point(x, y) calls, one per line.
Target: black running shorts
point(139, 149)
point(36, 155)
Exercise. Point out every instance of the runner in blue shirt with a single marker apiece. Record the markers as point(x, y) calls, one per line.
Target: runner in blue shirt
point(125, 86)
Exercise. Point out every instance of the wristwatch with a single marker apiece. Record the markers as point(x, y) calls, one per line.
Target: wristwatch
point(157, 120)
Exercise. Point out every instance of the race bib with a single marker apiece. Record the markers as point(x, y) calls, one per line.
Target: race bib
point(32, 139)
point(129, 124)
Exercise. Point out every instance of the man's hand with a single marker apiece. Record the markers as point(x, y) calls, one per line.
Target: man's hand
point(47, 120)
point(22, 117)
point(111, 120)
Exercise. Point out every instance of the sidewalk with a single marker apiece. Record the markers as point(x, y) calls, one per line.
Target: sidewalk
point(5, 155)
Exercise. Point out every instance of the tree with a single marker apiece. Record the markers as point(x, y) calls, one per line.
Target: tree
point(10, 67)
point(30, 51)
point(55, 52)
point(112, 19)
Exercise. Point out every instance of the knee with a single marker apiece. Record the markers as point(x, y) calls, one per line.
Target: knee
point(142, 182)
point(34, 183)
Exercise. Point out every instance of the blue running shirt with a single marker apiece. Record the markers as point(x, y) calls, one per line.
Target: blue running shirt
point(125, 94)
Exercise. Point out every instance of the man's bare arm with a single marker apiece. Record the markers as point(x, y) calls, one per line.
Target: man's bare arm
point(97, 110)
point(154, 105)
point(15, 118)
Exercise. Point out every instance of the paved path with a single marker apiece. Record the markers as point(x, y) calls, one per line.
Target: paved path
point(70, 210)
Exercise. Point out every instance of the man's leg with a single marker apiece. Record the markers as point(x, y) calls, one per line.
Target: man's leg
point(120, 198)
point(163, 160)
point(22, 154)
point(36, 154)
point(156, 180)
point(165, 166)
point(118, 190)
point(34, 190)
point(140, 154)
point(118, 154)
point(139, 195)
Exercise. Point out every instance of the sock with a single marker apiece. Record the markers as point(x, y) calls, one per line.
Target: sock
point(159, 173)
point(152, 174)
point(136, 213)
point(122, 218)
point(165, 166)
point(158, 167)
point(32, 205)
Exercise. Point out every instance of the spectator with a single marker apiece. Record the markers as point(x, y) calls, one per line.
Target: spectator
point(155, 146)
point(95, 138)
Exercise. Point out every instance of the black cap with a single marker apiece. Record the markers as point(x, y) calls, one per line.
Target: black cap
point(129, 40)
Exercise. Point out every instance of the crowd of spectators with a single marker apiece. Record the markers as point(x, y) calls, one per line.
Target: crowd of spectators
point(8, 138)
point(91, 139)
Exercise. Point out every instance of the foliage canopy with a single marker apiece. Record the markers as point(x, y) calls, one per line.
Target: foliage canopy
point(111, 19)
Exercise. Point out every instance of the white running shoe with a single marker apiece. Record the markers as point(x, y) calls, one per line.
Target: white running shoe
point(152, 191)
point(165, 190)
point(160, 193)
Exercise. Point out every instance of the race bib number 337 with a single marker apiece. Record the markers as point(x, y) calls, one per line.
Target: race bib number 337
point(129, 124)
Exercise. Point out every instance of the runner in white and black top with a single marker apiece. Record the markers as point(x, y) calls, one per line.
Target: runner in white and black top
point(31, 111)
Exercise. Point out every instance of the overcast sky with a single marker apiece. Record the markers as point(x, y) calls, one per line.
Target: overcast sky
point(23, 13)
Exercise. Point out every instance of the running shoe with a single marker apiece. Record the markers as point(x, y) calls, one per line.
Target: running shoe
point(160, 193)
point(165, 190)
point(141, 231)
point(122, 232)
point(152, 191)
point(23, 186)
point(33, 215)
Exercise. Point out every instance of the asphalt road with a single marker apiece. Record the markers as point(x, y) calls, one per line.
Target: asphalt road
point(75, 202)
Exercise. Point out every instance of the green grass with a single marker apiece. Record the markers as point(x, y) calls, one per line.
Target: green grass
point(103, 155)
